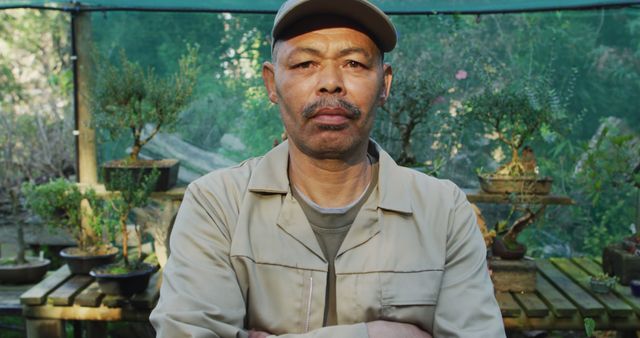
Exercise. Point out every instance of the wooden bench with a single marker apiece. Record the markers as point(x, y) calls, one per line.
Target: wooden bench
point(65, 297)
point(10, 304)
point(563, 300)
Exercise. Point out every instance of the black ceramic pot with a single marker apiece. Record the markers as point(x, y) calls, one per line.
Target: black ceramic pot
point(500, 249)
point(28, 273)
point(168, 172)
point(80, 263)
point(123, 284)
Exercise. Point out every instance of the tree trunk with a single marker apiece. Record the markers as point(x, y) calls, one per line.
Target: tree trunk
point(20, 254)
point(406, 155)
point(515, 158)
point(521, 223)
point(135, 150)
point(125, 239)
point(139, 238)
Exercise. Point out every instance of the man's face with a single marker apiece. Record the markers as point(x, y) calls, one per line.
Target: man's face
point(328, 83)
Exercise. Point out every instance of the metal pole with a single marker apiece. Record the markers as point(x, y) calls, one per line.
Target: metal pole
point(85, 135)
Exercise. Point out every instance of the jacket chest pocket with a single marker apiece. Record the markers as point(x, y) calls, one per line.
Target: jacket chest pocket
point(284, 299)
point(410, 297)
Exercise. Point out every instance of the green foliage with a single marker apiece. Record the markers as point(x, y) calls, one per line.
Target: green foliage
point(514, 116)
point(133, 191)
point(416, 99)
point(598, 175)
point(604, 277)
point(127, 98)
point(59, 204)
point(261, 123)
point(589, 326)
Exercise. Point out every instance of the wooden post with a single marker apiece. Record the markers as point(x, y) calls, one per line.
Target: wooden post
point(86, 144)
point(97, 329)
point(45, 328)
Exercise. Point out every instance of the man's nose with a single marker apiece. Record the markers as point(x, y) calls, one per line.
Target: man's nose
point(330, 80)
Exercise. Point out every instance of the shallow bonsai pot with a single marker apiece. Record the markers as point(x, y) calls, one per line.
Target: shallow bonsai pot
point(28, 273)
point(123, 284)
point(166, 180)
point(498, 184)
point(499, 249)
point(81, 263)
point(599, 286)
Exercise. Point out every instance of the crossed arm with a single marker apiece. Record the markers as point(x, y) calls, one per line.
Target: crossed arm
point(376, 329)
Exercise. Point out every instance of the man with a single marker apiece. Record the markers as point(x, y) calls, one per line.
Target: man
point(325, 236)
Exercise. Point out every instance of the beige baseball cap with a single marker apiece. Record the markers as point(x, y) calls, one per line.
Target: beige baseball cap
point(362, 12)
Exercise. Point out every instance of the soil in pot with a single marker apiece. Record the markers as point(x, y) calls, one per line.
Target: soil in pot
point(117, 280)
point(500, 184)
point(508, 251)
point(81, 262)
point(28, 273)
point(167, 178)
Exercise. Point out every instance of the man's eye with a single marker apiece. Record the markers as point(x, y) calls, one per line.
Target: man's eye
point(303, 65)
point(354, 64)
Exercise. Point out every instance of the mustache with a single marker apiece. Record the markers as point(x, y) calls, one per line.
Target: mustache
point(309, 110)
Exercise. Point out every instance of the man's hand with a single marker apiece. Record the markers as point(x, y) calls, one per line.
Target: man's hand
point(258, 334)
point(384, 329)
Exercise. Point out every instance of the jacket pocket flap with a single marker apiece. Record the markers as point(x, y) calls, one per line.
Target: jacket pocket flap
point(411, 288)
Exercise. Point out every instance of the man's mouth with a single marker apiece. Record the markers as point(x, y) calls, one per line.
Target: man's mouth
point(332, 115)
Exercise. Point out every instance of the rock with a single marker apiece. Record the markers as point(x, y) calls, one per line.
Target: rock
point(615, 127)
point(194, 161)
point(232, 143)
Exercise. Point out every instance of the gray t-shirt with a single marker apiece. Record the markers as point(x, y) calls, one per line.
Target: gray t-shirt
point(331, 225)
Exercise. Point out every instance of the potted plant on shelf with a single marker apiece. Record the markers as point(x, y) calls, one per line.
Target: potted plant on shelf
point(15, 165)
point(513, 116)
point(20, 269)
point(62, 205)
point(602, 283)
point(129, 99)
point(128, 276)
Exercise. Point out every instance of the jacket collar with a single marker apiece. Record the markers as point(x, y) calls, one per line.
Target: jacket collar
point(270, 176)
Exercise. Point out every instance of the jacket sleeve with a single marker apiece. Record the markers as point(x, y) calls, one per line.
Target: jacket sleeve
point(466, 277)
point(200, 294)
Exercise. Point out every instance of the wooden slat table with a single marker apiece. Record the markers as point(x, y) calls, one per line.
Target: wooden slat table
point(563, 299)
point(65, 297)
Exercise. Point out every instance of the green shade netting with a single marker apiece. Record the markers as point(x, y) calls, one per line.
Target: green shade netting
point(266, 6)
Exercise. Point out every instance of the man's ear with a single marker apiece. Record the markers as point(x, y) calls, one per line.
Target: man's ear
point(269, 79)
point(387, 78)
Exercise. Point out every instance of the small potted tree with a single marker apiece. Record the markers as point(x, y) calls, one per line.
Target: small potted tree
point(20, 269)
point(14, 168)
point(62, 205)
point(602, 283)
point(513, 116)
point(129, 99)
point(129, 275)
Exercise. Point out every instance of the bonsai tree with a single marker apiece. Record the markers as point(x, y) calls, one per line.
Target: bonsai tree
point(513, 116)
point(62, 205)
point(132, 191)
point(413, 102)
point(128, 98)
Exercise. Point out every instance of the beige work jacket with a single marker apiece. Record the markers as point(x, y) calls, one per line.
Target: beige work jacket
point(243, 256)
